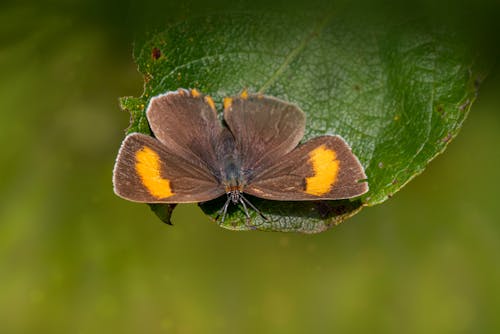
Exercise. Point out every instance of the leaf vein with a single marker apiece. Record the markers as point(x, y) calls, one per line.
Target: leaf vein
point(295, 52)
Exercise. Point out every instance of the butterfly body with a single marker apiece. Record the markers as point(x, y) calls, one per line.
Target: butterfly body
point(228, 158)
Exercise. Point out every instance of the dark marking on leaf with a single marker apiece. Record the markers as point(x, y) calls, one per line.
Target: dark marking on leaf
point(155, 53)
point(464, 105)
point(440, 109)
point(447, 138)
point(477, 83)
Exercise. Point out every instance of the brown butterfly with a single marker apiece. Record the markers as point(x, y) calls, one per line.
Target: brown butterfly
point(195, 158)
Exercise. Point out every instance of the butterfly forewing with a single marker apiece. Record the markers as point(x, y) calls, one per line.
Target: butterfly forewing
point(264, 128)
point(147, 171)
point(323, 168)
point(185, 121)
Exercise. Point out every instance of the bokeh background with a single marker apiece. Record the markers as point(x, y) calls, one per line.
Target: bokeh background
point(74, 258)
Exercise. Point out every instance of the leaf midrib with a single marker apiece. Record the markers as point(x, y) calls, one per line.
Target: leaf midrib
point(296, 51)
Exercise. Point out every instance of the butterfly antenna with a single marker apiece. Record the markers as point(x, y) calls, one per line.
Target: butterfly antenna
point(243, 199)
point(223, 211)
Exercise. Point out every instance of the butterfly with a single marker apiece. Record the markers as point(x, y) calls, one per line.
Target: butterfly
point(194, 157)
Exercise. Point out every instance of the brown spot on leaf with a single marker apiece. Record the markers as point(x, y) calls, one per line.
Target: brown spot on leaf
point(464, 105)
point(447, 138)
point(477, 83)
point(155, 53)
point(440, 109)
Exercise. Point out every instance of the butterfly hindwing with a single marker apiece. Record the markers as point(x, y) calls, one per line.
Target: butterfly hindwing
point(147, 171)
point(324, 168)
point(264, 128)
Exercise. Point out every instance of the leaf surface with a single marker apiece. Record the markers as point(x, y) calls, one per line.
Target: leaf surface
point(398, 93)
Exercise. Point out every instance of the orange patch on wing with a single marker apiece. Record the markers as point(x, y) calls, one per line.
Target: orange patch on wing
point(195, 93)
point(244, 94)
point(210, 102)
point(325, 167)
point(227, 102)
point(148, 168)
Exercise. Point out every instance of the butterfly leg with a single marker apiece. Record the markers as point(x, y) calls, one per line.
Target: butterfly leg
point(245, 209)
point(253, 207)
point(223, 211)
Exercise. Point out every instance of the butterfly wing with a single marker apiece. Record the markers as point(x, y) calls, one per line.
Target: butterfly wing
point(185, 122)
point(323, 168)
point(264, 128)
point(149, 172)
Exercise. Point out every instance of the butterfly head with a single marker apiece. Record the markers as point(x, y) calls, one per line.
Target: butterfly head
point(234, 193)
point(235, 196)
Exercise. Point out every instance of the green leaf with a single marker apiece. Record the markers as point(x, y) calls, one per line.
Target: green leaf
point(397, 92)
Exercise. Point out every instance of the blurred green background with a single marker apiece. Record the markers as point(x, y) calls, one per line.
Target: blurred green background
point(74, 258)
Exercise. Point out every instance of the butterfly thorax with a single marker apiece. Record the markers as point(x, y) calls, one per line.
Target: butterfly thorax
point(230, 174)
point(231, 179)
